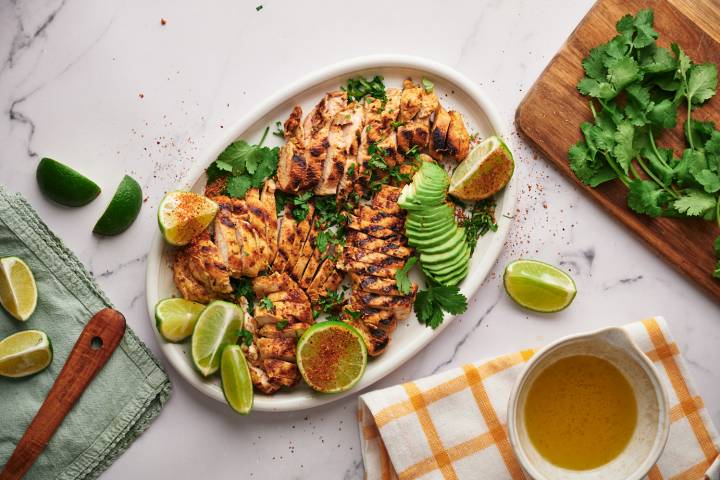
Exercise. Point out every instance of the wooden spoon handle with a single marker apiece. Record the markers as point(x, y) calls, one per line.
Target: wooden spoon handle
point(97, 342)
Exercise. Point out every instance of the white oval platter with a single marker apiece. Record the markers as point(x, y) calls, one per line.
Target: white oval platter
point(456, 92)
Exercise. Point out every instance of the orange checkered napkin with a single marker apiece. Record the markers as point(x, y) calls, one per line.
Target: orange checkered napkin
point(452, 425)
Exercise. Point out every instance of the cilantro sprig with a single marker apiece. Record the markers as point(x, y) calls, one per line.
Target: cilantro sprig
point(431, 303)
point(246, 166)
point(358, 88)
point(636, 89)
point(401, 276)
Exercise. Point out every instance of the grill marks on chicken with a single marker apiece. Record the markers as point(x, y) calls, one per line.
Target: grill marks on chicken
point(416, 108)
point(449, 139)
point(373, 258)
point(343, 144)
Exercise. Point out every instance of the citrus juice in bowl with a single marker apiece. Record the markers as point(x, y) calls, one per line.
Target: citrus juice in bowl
point(589, 407)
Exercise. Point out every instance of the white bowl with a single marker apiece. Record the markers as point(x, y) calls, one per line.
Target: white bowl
point(653, 422)
point(456, 92)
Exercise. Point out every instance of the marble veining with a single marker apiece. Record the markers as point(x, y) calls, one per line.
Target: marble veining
point(110, 89)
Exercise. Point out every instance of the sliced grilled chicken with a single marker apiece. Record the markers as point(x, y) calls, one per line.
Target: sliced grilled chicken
point(327, 279)
point(306, 252)
point(350, 265)
point(438, 134)
point(267, 200)
point(386, 199)
point(286, 239)
point(290, 311)
point(400, 306)
point(291, 294)
point(317, 128)
point(367, 227)
point(384, 320)
point(278, 282)
point(351, 253)
point(457, 142)
point(277, 347)
point(416, 108)
point(292, 330)
point(376, 339)
point(410, 100)
point(343, 140)
point(258, 218)
point(292, 171)
point(227, 238)
point(206, 265)
point(216, 187)
point(311, 269)
point(395, 246)
point(378, 285)
point(280, 372)
point(356, 177)
point(301, 235)
point(189, 287)
point(380, 115)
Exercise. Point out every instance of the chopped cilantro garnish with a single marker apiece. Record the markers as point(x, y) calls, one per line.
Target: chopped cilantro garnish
point(401, 277)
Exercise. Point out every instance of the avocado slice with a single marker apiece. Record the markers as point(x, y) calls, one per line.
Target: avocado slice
point(440, 270)
point(455, 277)
point(440, 242)
point(451, 253)
point(426, 239)
point(432, 213)
point(426, 225)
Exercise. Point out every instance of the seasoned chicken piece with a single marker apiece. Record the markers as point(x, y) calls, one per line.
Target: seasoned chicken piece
point(280, 348)
point(439, 133)
point(350, 253)
point(374, 230)
point(382, 218)
point(290, 311)
point(301, 235)
point(395, 246)
point(400, 306)
point(387, 200)
point(378, 285)
point(189, 287)
point(317, 129)
point(267, 199)
point(292, 171)
point(350, 265)
point(410, 100)
point(380, 115)
point(356, 176)
point(254, 249)
point(288, 231)
point(376, 339)
point(216, 187)
point(258, 218)
point(326, 279)
point(311, 269)
point(277, 282)
point(457, 143)
point(206, 265)
point(344, 143)
point(306, 253)
point(292, 330)
point(231, 211)
point(280, 372)
point(381, 319)
point(291, 294)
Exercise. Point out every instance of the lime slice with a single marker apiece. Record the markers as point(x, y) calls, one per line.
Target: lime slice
point(175, 318)
point(538, 286)
point(65, 185)
point(24, 353)
point(218, 326)
point(485, 171)
point(122, 210)
point(18, 292)
point(182, 215)
point(331, 356)
point(236, 383)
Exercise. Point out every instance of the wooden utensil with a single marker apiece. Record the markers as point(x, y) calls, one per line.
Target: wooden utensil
point(97, 342)
point(551, 113)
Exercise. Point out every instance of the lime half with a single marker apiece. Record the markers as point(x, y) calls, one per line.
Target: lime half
point(24, 353)
point(64, 185)
point(485, 171)
point(218, 326)
point(122, 210)
point(538, 286)
point(175, 318)
point(182, 215)
point(331, 356)
point(236, 382)
point(18, 292)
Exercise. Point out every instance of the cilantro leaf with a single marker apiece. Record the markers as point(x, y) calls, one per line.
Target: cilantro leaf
point(717, 247)
point(243, 288)
point(428, 312)
point(401, 276)
point(358, 88)
point(245, 337)
point(647, 198)
point(596, 88)
point(428, 86)
point(702, 83)
point(695, 203)
point(663, 114)
point(238, 186)
point(622, 72)
point(266, 303)
point(586, 169)
point(281, 324)
point(436, 299)
point(624, 150)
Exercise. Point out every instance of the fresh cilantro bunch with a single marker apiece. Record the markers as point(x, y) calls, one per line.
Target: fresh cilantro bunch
point(636, 89)
point(245, 166)
point(480, 221)
point(436, 299)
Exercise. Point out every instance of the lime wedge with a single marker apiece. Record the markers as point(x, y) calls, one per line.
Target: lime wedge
point(175, 318)
point(182, 215)
point(236, 383)
point(64, 185)
point(331, 356)
point(24, 353)
point(218, 326)
point(485, 171)
point(538, 286)
point(122, 210)
point(18, 292)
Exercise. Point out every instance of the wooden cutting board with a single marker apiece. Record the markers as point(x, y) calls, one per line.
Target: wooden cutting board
point(553, 109)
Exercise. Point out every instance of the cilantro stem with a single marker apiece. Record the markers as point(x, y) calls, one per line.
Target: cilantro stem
point(717, 212)
point(264, 135)
point(655, 149)
point(652, 175)
point(624, 178)
point(690, 133)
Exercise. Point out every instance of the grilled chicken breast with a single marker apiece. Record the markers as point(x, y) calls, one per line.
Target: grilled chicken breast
point(189, 287)
point(343, 141)
point(416, 108)
point(395, 246)
point(206, 265)
point(317, 129)
point(292, 171)
point(457, 142)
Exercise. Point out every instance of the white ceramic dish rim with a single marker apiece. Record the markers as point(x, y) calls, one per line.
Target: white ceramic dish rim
point(469, 285)
point(663, 430)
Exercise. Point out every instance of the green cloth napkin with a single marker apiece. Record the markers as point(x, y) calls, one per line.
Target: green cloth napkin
point(124, 397)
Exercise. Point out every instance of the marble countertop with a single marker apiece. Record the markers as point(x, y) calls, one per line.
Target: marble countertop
point(109, 89)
